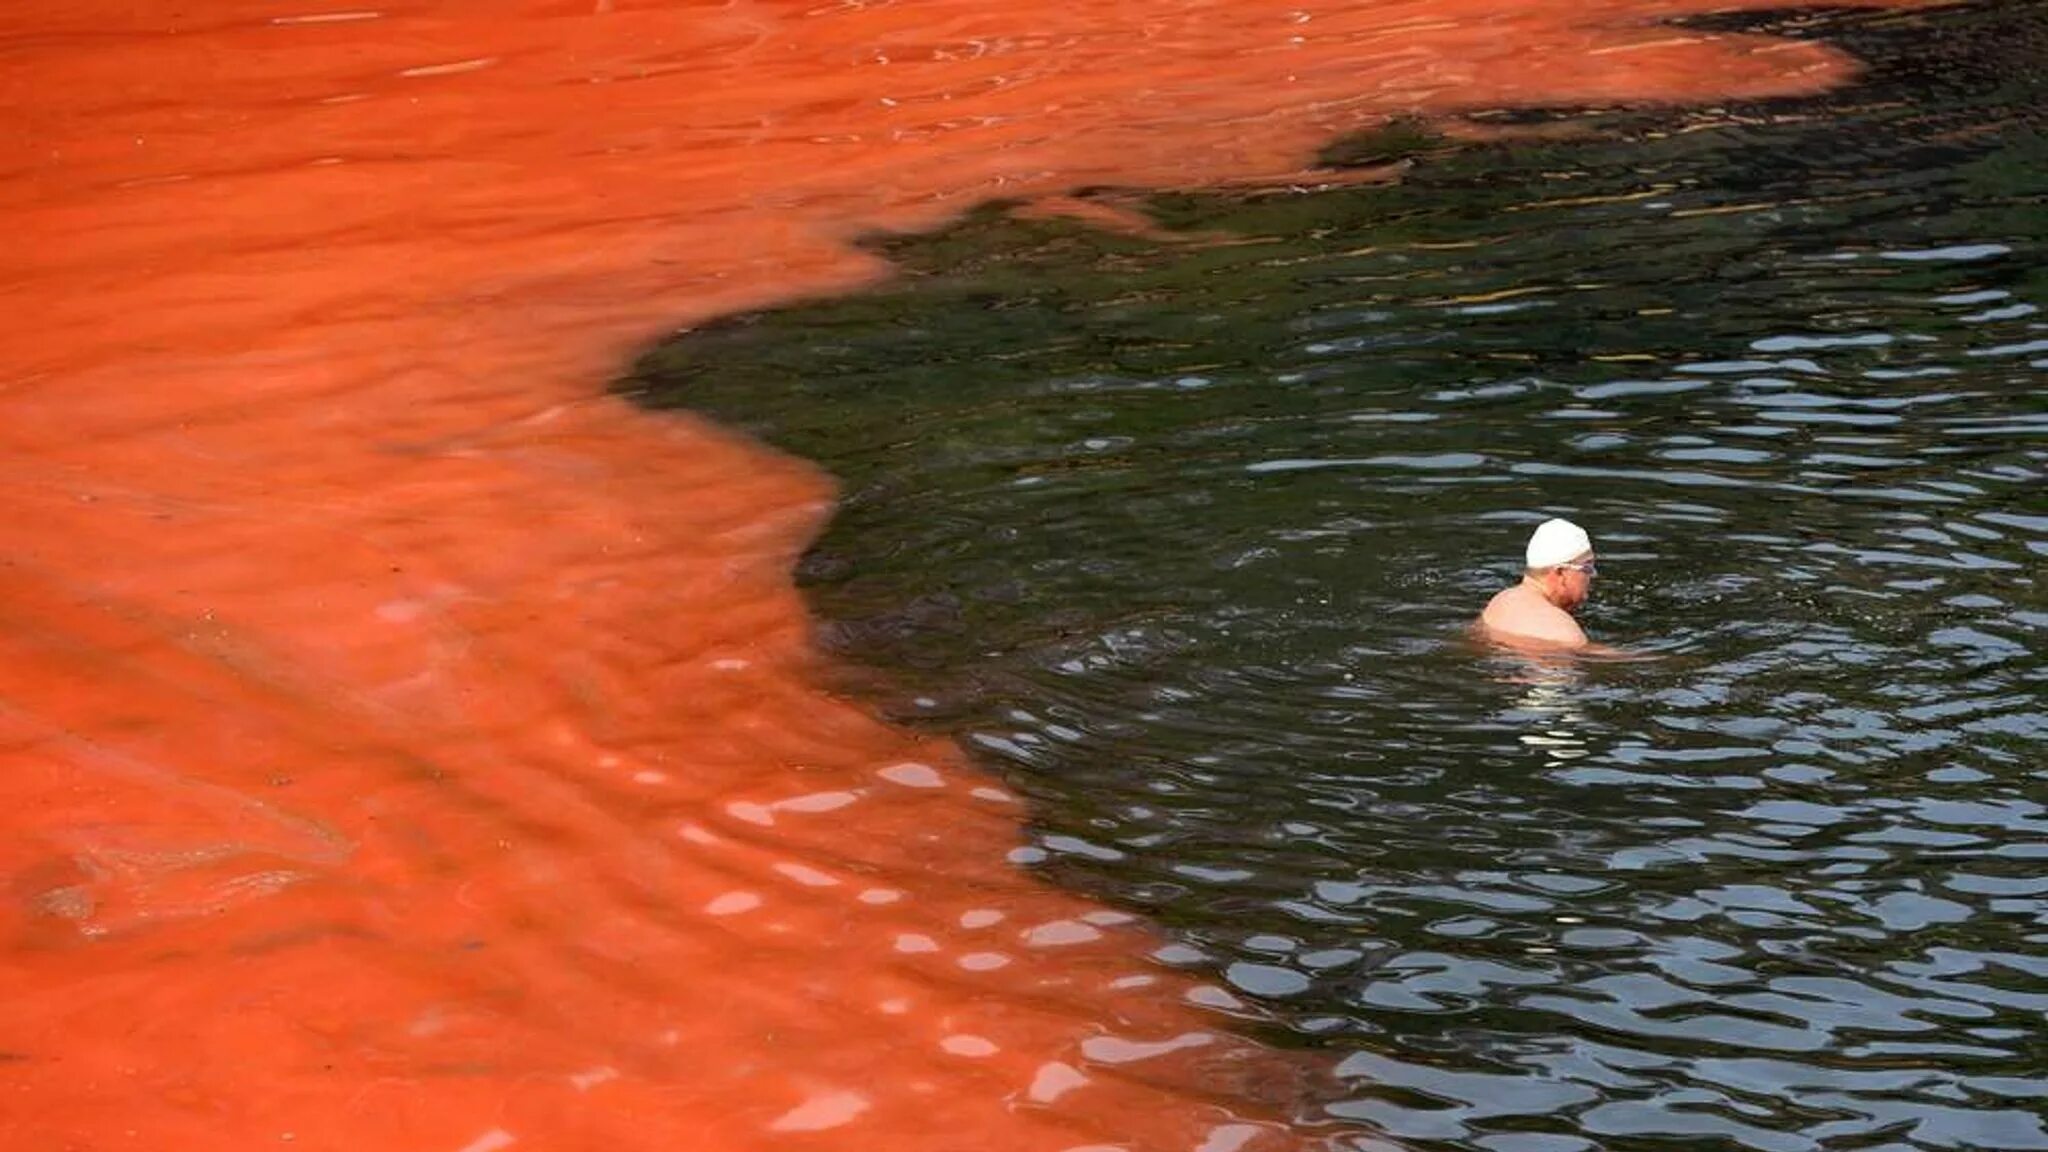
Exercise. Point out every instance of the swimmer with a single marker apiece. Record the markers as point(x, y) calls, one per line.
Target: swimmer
point(1557, 576)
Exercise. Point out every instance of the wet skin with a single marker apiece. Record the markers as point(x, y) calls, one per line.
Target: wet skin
point(1537, 613)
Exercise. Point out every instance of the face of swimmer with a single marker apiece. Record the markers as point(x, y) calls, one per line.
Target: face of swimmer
point(1568, 584)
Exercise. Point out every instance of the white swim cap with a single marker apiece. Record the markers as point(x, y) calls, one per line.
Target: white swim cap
point(1555, 542)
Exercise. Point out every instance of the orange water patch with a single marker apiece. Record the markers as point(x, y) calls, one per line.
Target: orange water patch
point(406, 746)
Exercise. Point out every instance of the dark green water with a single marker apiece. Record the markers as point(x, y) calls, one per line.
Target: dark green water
point(1181, 538)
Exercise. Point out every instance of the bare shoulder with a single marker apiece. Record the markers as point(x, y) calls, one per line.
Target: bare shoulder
point(1516, 614)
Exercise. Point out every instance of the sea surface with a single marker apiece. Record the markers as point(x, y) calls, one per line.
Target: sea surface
point(1172, 508)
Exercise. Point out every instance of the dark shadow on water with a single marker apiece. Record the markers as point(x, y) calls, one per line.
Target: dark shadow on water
point(1182, 537)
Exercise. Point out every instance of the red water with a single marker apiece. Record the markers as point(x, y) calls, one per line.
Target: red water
point(405, 746)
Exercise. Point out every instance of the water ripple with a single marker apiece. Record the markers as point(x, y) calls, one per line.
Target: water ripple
point(1188, 554)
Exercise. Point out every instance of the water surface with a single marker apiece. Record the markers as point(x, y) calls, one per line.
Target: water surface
point(404, 744)
point(1178, 530)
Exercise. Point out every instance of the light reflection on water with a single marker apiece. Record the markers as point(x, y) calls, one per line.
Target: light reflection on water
point(1183, 537)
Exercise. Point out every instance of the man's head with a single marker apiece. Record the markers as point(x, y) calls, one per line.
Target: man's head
point(1559, 561)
